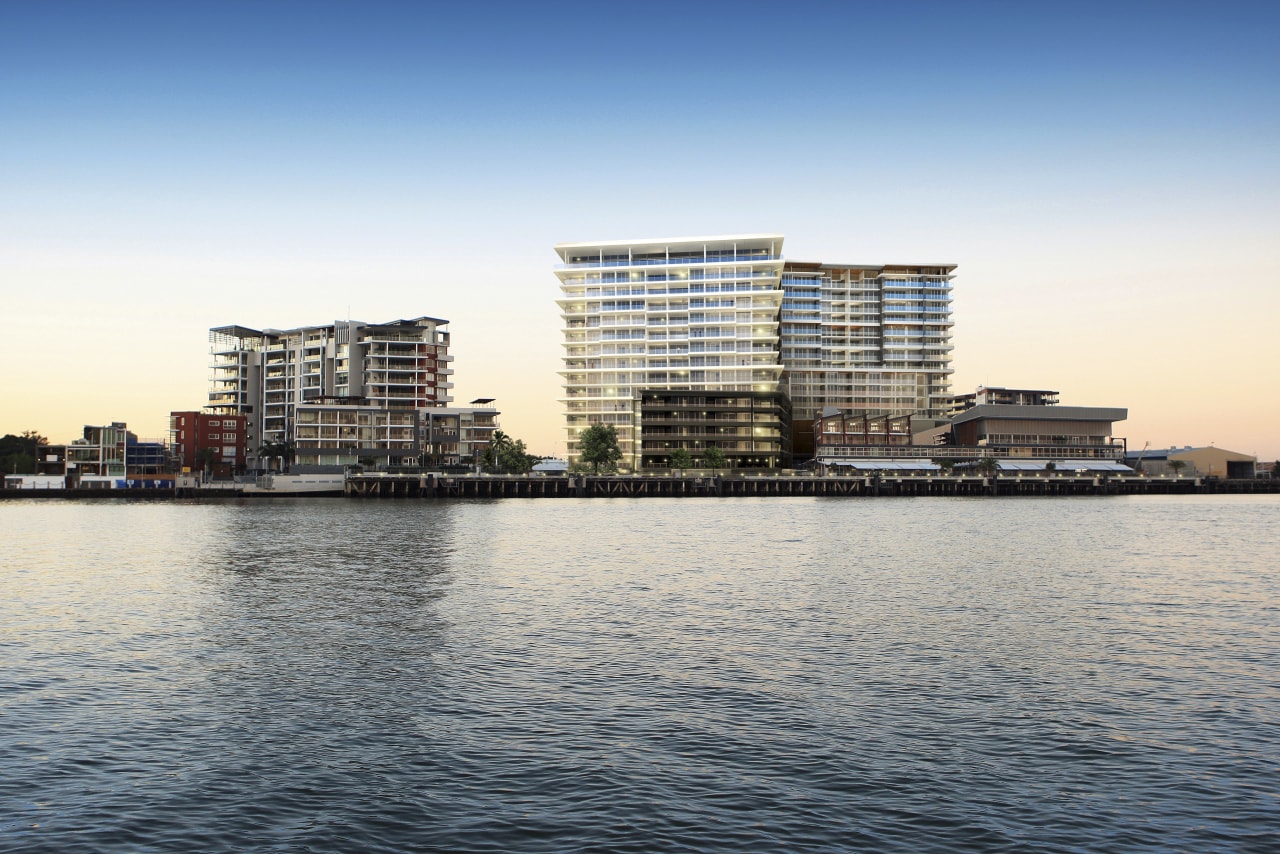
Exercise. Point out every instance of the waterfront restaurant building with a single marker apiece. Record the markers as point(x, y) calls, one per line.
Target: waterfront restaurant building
point(1021, 437)
point(1050, 433)
point(728, 314)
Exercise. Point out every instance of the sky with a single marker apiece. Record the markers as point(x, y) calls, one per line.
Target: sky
point(1106, 176)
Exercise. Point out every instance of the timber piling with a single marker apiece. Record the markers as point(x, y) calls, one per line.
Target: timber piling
point(750, 486)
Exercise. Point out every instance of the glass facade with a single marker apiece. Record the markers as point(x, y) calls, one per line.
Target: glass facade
point(871, 339)
point(729, 314)
point(682, 315)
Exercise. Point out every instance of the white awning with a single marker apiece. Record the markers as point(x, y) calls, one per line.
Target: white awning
point(885, 465)
point(1065, 466)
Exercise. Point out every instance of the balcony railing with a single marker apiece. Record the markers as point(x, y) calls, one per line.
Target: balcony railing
point(682, 261)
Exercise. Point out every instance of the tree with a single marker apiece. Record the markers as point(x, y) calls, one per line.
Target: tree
point(282, 451)
point(34, 438)
point(714, 458)
point(18, 454)
point(206, 457)
point(988, 466)
point(1177, 466)
point(681, 459)
point(513, 456)
point(946, 464)
point(1050, 467)
point(507, 454)
point(598, 446)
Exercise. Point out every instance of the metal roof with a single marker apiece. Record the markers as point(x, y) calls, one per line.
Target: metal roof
point(998, 411)
point(1063, 465)
point(885, 465)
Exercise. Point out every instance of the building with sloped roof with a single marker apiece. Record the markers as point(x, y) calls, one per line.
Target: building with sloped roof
point(1049, 433)
point(1196, 462)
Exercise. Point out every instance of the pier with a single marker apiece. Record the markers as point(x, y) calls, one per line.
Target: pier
point(448, 486)
point(719, 486)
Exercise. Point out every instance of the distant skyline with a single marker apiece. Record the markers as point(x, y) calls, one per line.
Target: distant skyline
point(1106, 176)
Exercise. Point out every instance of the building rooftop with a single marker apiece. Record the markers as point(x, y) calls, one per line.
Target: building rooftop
point(719, 241)
point(829, 265)
point(1042, 413)
point(1165, 453)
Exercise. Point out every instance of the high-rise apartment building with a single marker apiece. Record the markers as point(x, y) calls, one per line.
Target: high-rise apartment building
point(867, 338)
point(296, 386)
point(690, 314)
point(729, 313)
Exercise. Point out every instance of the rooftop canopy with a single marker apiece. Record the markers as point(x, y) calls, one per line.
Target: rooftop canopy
point(1001, 411)
point(772, 242)
point(885, 465)
point(1063, 465)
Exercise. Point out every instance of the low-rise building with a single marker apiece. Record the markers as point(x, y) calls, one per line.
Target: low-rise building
point(1022, 437)
point(203, 441)
point(834, 429)
point(334, 433)
point(959, 403)
point(1041, 432)
point(34, 481)
point(111, 455)
point(100, 451)
point(51, 460)
point(458, 435)
point(1194, 462)
point(867, 441)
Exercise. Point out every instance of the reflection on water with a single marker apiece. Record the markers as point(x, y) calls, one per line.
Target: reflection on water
point(926, 674)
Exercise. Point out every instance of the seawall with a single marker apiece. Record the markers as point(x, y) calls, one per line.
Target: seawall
point(735, 486)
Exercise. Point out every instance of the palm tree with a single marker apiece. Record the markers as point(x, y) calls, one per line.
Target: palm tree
point(499, 443)
point(1177, 466)
point(988, 466)
point(282, 451)
point(206, 458)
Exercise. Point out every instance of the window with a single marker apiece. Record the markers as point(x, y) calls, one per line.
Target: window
point(228, 437)
point(215, 423)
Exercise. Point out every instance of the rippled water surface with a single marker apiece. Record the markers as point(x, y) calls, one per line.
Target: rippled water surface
point(699, 675)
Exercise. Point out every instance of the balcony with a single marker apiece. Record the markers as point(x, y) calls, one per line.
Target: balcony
point(679, 261)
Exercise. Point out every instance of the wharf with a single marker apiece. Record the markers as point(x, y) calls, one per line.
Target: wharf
point(437, 486)
point(651, 486)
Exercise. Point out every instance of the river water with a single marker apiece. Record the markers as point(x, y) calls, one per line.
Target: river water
point(1094, 674)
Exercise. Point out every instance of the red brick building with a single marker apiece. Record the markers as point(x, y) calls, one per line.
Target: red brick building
point(192, 432)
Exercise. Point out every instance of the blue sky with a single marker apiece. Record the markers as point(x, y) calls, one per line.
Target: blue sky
point(1105, 175)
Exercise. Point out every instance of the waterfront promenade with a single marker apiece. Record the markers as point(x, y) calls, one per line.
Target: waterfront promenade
point(717, 486)
point(437, 486)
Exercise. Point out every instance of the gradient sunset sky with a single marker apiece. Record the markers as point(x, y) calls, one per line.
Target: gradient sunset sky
point(1106, 176)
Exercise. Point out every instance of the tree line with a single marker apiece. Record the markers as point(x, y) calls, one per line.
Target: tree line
point(18, 453)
